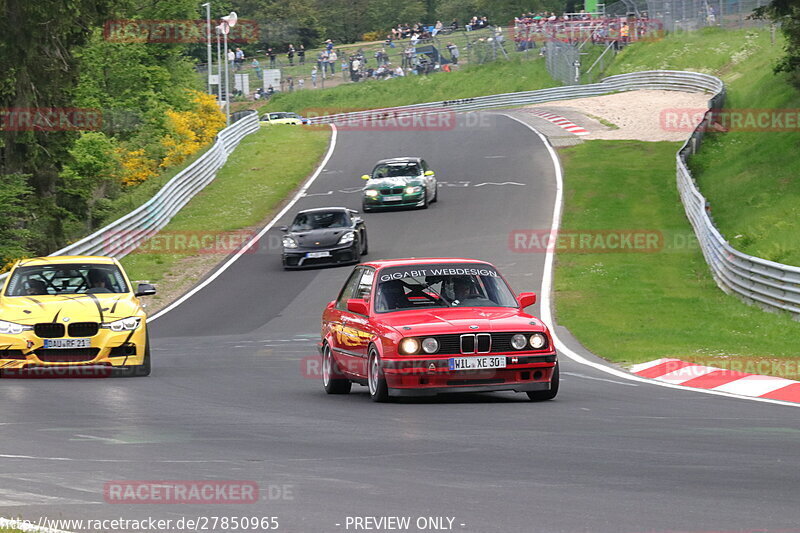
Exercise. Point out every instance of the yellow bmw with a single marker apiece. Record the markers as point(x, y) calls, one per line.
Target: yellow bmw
point(73, 312)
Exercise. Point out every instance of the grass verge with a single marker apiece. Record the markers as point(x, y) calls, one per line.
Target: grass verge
point(749, 177)
point(635, 307)
point(263, 170)
point(517, 74)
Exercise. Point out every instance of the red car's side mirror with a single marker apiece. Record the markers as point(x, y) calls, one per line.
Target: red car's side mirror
point(331, 304)
point(526, 299)
point(358, 306)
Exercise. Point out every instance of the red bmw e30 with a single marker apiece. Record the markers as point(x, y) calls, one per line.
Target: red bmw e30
point(418, 327)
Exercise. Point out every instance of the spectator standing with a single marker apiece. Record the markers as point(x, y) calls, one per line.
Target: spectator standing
point(314, 77)
point(231, 58)
point(239, 59)
point(322, 60)
point(332, 58)
point(301, 55)
point(256, 68)
point(301, 83)
point(290, 55)
point(272, 55)
point(290, 81)
point(454, 53)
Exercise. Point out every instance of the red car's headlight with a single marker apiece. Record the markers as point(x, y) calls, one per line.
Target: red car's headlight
point(538, 340)
point(408, 346)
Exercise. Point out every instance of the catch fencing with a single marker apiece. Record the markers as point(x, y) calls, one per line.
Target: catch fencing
point(124, 234)
point(772, 285)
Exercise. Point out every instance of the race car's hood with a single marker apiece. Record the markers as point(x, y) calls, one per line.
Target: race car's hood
point(30, 310)
point(319, 238)
point(401, 181)
point(440, 321)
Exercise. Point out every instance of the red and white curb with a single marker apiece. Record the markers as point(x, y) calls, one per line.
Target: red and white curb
point(677, 372)
point(561, 122)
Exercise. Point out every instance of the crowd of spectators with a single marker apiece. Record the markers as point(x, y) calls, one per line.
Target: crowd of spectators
point(578, 27)
point(528, 29)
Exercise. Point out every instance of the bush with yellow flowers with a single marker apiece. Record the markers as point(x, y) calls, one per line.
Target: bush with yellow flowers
point(192, 130)
point(136, 166)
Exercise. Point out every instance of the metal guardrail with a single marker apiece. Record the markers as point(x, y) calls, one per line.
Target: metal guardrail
point(771, 285)
point(123, 235)
point(653, 79)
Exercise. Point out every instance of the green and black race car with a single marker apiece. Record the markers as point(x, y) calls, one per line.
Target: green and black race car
point(399, 182)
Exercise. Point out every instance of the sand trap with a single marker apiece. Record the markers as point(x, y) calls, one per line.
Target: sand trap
point(639, 115)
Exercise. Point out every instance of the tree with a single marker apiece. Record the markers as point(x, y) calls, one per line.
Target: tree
point(15, 196)
point(786, 13)
point(39, 71)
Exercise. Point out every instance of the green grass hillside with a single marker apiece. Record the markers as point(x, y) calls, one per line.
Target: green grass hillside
point(517, 74)
point(661, 301)
point(750, 177)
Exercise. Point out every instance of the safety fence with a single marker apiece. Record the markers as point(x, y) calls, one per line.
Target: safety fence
point(772, 285)
point(126, 233)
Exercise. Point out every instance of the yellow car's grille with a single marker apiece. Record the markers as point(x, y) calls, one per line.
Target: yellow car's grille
point(49, 330)
point(83, 329)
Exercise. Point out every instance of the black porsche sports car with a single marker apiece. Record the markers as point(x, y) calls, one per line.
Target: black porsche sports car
point(325, 235)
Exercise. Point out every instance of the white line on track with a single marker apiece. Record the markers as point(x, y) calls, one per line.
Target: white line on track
point(6, 523)
point(547, 287)
point(299, 194)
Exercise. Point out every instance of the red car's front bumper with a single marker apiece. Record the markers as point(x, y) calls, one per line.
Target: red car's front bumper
point(426, 376)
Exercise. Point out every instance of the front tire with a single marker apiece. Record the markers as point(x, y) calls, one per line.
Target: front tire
point(435, 194)
point(425, 200)
point(544, 395)
point(364, 244)
point(378, 390)
point(143, 370)
point(332, 379)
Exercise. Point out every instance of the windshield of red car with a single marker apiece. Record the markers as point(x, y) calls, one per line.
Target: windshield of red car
point(442, 285)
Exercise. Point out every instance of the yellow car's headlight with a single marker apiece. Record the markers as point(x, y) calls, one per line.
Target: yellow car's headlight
point(124, 324)
point(12, 328)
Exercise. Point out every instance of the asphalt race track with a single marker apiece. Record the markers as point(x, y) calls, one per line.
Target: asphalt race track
point(234, 396)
